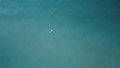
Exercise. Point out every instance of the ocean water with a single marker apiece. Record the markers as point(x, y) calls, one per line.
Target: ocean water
point(59, 34)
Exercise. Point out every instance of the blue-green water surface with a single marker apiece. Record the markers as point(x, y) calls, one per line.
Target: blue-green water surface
point(59, 34)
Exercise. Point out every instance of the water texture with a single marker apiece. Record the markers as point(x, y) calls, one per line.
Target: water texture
point(59, 34)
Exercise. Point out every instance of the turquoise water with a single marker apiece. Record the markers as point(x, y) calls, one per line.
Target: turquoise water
point(59, 34)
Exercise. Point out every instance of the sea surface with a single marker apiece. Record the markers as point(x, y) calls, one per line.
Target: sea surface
point(59, 33)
